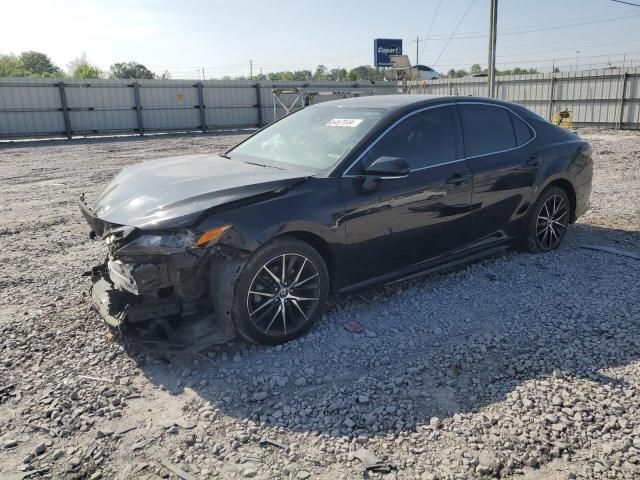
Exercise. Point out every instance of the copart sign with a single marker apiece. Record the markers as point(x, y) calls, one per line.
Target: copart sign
point(383, 48)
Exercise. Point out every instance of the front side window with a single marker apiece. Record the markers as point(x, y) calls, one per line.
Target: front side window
point(487, 129)
point(313, 138)
point(424, 139)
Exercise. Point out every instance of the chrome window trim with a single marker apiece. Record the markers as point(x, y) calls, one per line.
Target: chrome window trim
point(347, 175)
point(410, 171)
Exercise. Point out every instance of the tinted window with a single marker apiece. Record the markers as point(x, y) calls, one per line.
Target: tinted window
point(523, 132)
point(487, 129)
point(424, 139)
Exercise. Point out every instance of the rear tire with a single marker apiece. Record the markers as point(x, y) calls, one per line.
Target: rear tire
point(548, 222)
point(281, 292)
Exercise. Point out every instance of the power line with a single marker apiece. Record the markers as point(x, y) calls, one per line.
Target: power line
point(478, 33)
point(626, 3)
point(533, 61)
point(503, 32)
point(433, 21)
point(521, 54)
point(531, 29)
point(307, 62)
point(515, 31)
point(455, 30)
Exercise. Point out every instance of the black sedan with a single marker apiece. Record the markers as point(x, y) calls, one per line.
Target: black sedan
point(335, 197)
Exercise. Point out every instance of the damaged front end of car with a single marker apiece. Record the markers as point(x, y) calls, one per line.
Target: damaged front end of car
point(172, 287)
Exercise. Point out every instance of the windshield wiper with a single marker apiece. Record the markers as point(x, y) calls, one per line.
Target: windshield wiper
point(224, 155)
point(264, 165)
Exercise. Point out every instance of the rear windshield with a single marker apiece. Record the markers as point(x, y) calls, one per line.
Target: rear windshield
point(315, 137)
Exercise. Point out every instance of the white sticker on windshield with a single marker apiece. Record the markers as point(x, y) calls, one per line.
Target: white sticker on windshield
point(344, 122)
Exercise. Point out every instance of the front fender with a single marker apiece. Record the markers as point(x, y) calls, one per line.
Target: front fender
point(312, 208)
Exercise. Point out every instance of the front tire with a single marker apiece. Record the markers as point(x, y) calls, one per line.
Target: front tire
point(548, 222)
point(281, 292)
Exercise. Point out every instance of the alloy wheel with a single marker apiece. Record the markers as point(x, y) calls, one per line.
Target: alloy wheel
point(283, 294)
point(551, 223)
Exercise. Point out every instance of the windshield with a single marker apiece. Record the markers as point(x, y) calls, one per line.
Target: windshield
point(315, 137)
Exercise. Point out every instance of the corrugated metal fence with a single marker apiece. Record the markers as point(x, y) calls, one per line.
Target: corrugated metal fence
point(32, 107)
point(609, 97)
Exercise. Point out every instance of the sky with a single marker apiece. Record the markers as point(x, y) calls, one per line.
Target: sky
point(184, 36)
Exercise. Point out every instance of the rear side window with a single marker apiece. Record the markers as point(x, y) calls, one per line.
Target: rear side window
point(523, 132)
point(424, 139)
point(487, 129)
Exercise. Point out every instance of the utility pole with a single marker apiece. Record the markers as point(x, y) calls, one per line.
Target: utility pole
point(417, 50)
point(250, 69)
point(203, 73)
point(493, 24)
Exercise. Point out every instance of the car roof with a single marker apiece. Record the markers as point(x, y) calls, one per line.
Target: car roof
point(391, 102)
point(386, 102)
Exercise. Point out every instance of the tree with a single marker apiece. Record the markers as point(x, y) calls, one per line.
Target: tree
point(130, 70)
point(302, 75)
point(10, 66)
point(87, 71)
point(453, 73)
point(517, 71)
point(320, 73)
point(81, 68)
point(37, 63)
point(365, 72)
point(280, 76)
point(28, 64)
point(338, 74)
point(475, 69)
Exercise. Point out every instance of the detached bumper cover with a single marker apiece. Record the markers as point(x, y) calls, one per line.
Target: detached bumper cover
point(177, 322)
point(117, 306)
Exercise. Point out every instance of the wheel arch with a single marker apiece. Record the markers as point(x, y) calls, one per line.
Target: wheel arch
point(321, 246)
point(568, 188)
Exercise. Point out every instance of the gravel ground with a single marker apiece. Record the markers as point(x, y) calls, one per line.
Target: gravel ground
point(523, 366)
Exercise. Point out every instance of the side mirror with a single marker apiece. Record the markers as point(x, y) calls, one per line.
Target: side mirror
point(388, 167)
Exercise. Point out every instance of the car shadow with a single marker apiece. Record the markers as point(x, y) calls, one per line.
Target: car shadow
point(432, 347)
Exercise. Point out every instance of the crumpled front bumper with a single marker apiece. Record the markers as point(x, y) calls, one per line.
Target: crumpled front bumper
point(171, 314)
point(117, 305)
point(183, 295)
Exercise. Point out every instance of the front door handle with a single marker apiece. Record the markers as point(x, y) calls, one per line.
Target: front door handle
point(458, 178)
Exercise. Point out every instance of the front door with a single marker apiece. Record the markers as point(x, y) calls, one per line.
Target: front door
point(395, 224)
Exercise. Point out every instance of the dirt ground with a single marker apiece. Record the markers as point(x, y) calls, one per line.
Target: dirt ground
point(522, 366)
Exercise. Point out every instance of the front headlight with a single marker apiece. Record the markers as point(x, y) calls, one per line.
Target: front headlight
point(168, 242)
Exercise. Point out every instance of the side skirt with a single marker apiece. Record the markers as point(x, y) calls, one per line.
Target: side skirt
point(427, 268)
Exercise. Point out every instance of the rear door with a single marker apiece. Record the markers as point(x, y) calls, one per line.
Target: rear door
point(404, 221)
point(498, 151)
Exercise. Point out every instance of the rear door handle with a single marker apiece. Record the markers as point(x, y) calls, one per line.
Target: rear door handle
point(534, 161)
point(458, 178)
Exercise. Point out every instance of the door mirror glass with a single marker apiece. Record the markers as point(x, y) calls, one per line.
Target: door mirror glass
point(388, 167)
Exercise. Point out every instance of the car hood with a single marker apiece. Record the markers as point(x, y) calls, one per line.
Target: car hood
point(168, 192)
